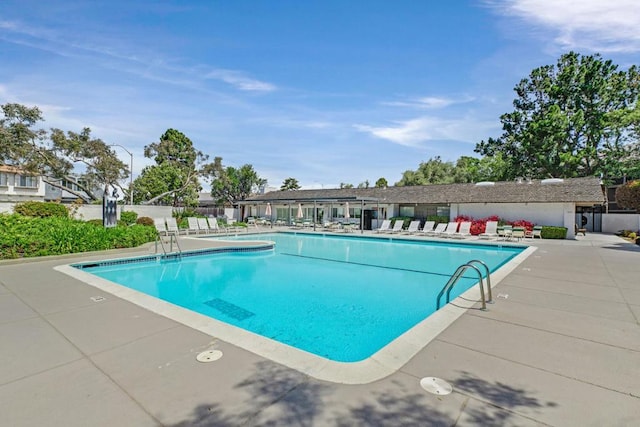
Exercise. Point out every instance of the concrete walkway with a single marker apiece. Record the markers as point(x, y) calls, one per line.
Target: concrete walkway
point(561, 347)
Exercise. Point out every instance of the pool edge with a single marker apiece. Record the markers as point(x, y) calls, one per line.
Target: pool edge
point(381, 364)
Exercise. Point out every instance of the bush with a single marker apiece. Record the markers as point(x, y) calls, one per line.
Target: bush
point(145, 220)
point(24, 236)
point(437, 219)
point(549, 232)
point(405, 220)
point(96, 222)
point(478, 226)
point(41, 209)
point(128, 217)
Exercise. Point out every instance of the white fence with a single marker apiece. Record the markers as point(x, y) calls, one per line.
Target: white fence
point(87, 212)
point(612, 223)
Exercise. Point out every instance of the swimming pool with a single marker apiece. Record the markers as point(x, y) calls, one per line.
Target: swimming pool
point(339, 298)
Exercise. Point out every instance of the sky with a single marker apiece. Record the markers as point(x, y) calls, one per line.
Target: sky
point(326, 92)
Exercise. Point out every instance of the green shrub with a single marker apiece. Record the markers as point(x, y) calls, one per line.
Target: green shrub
point(96, 222)
point(41, 209)
point(549, 232)
point(438, 218)
point(145, 220)
point(128, 217)
point(24, 236)
point(405, 220)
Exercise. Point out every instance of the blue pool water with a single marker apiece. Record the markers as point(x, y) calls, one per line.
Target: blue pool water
point(342, 298)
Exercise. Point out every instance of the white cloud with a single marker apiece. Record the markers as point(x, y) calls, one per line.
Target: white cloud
point(240, 81)
point(428, 102)
point(596, 25)
point(418, 131)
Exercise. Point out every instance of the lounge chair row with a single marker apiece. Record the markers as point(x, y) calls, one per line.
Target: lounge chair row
point(451, 229)
point(169, 226)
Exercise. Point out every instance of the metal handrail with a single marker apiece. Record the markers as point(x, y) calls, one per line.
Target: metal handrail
point(454, 278)
point(172, 237)
point(488, 277)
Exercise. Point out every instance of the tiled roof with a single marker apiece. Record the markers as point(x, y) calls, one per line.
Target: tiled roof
point(572, 190)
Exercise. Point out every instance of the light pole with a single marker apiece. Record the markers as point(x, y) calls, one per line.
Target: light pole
point(130, 172)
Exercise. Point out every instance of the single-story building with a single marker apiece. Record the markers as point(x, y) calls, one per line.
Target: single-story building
point(557, 202)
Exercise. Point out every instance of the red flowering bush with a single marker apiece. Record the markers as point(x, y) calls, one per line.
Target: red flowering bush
point(478, 226)
point(528, 225)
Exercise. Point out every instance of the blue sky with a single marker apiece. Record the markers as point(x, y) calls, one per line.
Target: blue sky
point(324, 91)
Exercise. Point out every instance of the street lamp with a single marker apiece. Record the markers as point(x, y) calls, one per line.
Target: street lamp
point(130, 172)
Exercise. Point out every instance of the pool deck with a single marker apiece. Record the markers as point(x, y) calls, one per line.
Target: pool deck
point(560, 347)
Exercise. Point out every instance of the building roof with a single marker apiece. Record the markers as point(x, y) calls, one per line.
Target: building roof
point(570, 190)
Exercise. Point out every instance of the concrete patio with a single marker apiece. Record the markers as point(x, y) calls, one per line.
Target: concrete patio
point(561, 347)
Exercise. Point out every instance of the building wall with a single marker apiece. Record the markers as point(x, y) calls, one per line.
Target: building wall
point(538, 213)
point(11, 191)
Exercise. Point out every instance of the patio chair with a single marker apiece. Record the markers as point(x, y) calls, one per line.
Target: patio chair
point(161, 227)
point(384, 227)
point(205, 226)
point(397, 226)
point(580, 230)
point(450, 230)
point(463, 231)
point(193, 225)
point(428, 227)
point(505, 232)
point(441, 227)
point(536, 232)
point(414, 227)
point(172, 226)
point(490, 231)
point(518, 233)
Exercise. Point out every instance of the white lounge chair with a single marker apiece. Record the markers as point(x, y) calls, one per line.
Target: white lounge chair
point(463, 231)
point(203, 225)
point(490, 231)
point(193, 225)
point(428, 227)
point(385, 226)
point(414, 227)
point(161, 227)
point(452, 228)
point(397, 226)
point(172, 226)
point(436, 231)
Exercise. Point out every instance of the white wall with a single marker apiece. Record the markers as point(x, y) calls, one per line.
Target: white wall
point(612, 223)
point(87, 212)
point(538, 213)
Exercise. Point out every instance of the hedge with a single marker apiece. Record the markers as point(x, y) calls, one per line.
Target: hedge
point(41, 209)
point(549, 232)
point(24, 236)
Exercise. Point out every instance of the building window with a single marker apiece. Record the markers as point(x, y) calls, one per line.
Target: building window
point(4, 179)
point(443, 211)
point(27, 181)
point(408, 211)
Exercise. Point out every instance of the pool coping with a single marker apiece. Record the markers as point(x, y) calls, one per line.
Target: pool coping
point(381, 364)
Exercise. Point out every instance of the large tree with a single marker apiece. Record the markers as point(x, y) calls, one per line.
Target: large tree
point(58, 156)
point(433, 171)
point(575, 118)
point(173, 180)
point(229, 184)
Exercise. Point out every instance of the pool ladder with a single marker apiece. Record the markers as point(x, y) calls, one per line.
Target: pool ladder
point(458, 274)
point(173, 237)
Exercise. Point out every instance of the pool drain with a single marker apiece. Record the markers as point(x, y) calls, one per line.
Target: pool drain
point(436, 385)
point(209, 356)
